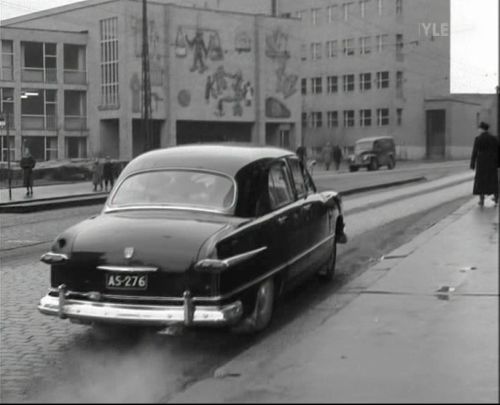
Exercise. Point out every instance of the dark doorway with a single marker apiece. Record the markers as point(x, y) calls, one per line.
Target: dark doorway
point(207, 132)
point(139, 138)
point(436, 133)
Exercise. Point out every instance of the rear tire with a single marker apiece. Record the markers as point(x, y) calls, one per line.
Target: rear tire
point(353, 169)
point(373, 165)
point(391, 163)
point(262, 313)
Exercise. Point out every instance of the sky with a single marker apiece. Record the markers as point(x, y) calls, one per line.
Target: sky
point(473, 29)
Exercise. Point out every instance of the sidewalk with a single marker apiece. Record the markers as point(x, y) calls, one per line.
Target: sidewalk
point(422, 326)
point(48, 191)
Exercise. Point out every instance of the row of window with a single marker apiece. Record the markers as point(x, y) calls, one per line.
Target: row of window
point(39, 108)
point(365, 118)
point(44, 147)
point(39, 62)
point(347, 10)
point(380, 80)
point(365, 46)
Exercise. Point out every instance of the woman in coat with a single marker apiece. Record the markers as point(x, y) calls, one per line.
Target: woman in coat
point(484, 160)
point(27, 163)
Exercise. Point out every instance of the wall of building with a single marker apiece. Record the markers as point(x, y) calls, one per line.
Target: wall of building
point(249, 74)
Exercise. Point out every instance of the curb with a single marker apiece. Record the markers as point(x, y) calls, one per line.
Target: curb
point(44, 204)
point(381, 185)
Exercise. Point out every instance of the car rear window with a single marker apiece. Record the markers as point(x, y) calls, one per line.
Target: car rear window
point(180, 188)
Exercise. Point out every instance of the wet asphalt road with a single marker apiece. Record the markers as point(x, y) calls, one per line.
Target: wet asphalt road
point(45, 359)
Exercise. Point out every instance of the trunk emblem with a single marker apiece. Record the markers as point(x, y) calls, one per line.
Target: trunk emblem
point(128, 252)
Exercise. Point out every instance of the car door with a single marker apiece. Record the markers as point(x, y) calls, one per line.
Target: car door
point(286, 213)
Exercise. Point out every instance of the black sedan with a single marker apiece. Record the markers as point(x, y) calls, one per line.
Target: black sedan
point(196, 235)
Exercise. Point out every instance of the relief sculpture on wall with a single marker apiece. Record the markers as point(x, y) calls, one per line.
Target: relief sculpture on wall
point(197, 43)
point(277, 49)
point(226, 87)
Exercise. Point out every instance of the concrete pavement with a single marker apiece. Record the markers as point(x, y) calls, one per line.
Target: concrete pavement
point(422, 326)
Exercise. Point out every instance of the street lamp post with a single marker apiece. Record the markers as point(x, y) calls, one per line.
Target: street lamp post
point(5, 122)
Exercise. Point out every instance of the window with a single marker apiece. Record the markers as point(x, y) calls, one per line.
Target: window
point(332, 13)
point(399, 113)
point(39, 110)
point(332, 118)
point(363, 6)
point(382, 42)
point(382, 80)
point(348, 83)
point(331, 49)
point(349, 118)
point(365, 81)
point(41, 147)
point(109, 62)
point(399, 7)
point(280, 190)
point(304, 120)
point(7, 58)
point(7, 149)
point(399, 45)
point(365, 45)
point(315, 16)
point(7, 104)
point(316, 85)
point(303, 51)
point(303, 86)
point(346, 9)
point(399, 84)
point(316, 50)
point(75, 147)
point(348, 46)
point(382, 117)
point(299, 14)
point(75, 110)
point(332, 84)
point(298, 178)
point(380, 7)
point(316, 119)
point(365, 118)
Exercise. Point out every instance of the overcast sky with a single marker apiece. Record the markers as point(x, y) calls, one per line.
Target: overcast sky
point(473, 30)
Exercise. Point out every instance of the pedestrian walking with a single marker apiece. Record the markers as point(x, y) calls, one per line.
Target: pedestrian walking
point(97, 175)
point(302, 154)
point(108, 173)
point(337, 156)
point(27, 163)
point(484, 161)
point(327, 155)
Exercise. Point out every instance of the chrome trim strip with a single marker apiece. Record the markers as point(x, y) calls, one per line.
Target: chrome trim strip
point(230, 261)
point(51, 257)
point(164, 207)
point(140, 314)
point(129, 269)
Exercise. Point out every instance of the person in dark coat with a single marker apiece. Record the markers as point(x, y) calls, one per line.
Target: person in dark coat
point(27, 163)
point(337, 156)
point(484, 161)
point(108, 174)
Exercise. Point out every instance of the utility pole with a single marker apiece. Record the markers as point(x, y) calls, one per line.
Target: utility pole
point(146, 83)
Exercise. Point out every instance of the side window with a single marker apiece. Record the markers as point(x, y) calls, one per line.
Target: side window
point(280, 190)
point(298, 177)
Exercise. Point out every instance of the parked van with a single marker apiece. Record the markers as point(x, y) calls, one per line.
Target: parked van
point(373, 153)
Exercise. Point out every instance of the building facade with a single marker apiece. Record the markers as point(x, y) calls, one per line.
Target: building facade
point(382, 67)
point(75, 90)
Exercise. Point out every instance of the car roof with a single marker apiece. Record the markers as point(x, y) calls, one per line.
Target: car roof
point(374, 138)
point(225, 158)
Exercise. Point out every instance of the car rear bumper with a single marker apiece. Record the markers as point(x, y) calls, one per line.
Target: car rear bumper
point(147, 315)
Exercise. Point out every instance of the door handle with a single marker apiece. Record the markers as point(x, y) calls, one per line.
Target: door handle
point(282, 219)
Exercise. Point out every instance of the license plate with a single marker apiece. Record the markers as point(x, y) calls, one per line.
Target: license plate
point(127, 281)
